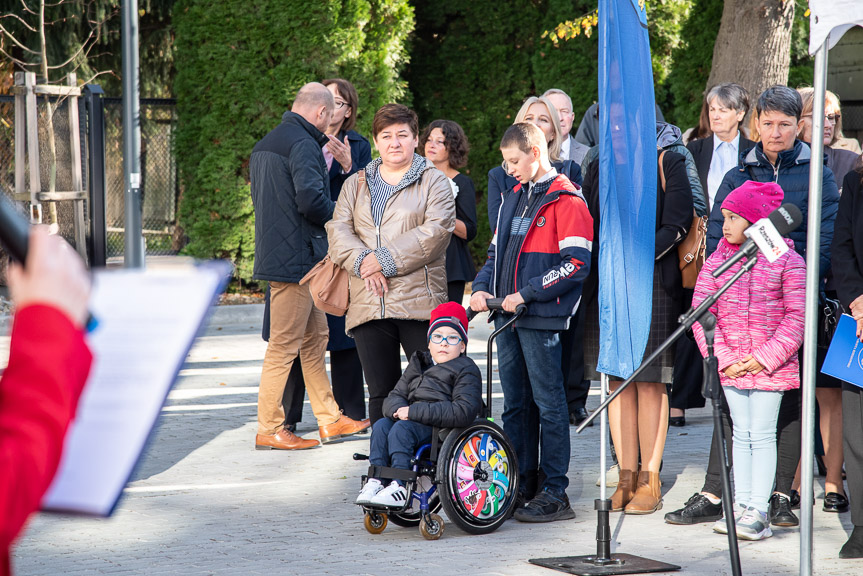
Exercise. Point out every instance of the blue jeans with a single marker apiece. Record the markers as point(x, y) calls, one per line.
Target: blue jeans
point(753, 414)
point(535, 413)
point(394, 443)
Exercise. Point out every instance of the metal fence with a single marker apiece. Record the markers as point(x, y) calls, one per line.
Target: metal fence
point(159, 177)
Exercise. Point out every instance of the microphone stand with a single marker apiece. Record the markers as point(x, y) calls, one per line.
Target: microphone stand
point(604, 563)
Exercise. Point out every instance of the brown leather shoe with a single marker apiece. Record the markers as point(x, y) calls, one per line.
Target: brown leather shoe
point(648, 495)
point(283, 440)
point(625, 490)
point(341, 428)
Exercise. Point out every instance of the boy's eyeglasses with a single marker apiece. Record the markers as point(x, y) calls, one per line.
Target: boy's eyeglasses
point(452, 339)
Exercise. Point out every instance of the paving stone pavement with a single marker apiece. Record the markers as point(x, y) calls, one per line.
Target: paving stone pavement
point(203, 501)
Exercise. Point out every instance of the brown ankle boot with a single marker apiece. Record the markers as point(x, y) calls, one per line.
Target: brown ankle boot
point(625, 490)
point(648, 495)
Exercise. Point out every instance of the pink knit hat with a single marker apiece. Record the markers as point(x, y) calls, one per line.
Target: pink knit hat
point(754, 200)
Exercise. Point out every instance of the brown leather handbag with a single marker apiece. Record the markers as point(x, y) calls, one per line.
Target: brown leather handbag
point(329, 285)
point(692, 250)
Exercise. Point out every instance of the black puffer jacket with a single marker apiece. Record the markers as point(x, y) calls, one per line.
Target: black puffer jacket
point(447, 395)
point(291, 195)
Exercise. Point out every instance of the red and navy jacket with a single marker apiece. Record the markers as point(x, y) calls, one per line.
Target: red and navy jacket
point(554, 259)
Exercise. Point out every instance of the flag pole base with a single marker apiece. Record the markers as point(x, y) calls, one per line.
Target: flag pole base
point(594, 565)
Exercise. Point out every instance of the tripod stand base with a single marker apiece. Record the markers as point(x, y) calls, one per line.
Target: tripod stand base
point(591, 565)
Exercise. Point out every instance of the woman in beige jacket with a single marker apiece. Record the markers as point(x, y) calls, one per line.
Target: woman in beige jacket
point(390, 230)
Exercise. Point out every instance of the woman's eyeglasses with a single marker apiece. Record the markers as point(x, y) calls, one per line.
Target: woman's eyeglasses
point(452, 339)
point(832, 118)
point(340, 105)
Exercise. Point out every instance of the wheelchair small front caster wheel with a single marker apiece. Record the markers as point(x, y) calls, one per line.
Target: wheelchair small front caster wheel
point(375, 522)
point(431, 527)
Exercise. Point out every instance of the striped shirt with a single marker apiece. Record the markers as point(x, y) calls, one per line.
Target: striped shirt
point(380, 192)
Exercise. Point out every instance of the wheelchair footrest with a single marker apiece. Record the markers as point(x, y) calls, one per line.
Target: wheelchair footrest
point(391, 473)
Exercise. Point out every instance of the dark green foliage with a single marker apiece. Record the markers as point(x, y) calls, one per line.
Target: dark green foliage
point(692, 60)
point(802, 70)
point(476, 62)
point(238, 66)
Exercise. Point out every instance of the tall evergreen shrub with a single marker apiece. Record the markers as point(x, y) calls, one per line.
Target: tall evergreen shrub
point(239, 64)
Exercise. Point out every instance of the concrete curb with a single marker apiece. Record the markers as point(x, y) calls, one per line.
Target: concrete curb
point(237, 314)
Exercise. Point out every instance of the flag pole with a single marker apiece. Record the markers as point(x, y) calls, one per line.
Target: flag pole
point(813, 245)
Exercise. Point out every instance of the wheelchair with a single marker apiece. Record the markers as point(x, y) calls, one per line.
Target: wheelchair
point(471, 472)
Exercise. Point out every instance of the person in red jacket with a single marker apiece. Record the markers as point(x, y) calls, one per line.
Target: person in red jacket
point(48, 366)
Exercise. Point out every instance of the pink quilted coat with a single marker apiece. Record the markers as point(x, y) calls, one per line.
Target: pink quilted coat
point(761, 314)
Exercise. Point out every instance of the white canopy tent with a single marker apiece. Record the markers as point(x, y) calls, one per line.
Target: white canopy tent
point(829, 20)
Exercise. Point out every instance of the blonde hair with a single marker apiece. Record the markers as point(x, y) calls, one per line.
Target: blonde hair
point(557, 141)
point(807, 94)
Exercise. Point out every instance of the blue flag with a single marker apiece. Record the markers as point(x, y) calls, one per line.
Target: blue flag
point(627, 185)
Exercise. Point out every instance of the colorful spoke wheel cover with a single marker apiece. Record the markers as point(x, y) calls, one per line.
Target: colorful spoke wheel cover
point(482, 475)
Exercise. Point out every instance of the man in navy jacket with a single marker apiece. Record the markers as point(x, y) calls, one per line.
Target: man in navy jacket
point(291, 196)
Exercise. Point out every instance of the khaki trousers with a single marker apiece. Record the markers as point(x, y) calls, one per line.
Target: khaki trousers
point(297, 329)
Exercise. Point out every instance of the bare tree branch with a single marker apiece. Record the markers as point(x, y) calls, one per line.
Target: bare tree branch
point(15, 40)
point(27, 8)
point(20, 63)
point(97, 31)
point(24, 22)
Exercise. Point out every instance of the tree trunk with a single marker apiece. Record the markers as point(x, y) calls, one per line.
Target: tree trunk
point(753, 47)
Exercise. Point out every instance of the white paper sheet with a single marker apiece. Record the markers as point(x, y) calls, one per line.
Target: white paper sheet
point(147, 322)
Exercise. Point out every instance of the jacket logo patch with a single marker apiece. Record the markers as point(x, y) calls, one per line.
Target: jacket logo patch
point(541, 221)
point(564, 271)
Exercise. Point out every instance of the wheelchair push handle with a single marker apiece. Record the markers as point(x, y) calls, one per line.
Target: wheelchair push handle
point(495, 304)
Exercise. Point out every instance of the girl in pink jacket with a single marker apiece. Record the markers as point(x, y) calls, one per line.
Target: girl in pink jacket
point(759, 328)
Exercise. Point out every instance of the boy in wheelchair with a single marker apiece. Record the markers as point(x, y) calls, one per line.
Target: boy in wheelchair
point(441, 388)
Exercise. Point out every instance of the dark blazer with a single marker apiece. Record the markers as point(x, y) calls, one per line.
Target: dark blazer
point(459, 262)
point(361, 154)
point(847, 249)
point(702, 152)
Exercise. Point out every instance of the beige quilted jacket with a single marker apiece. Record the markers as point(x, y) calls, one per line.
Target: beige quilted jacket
point(416, 227)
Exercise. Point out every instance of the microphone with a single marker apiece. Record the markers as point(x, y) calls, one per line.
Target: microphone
point(14, 230)
point(766, 236)
point(15, 235)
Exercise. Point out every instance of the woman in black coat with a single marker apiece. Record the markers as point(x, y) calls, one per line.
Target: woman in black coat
point(444, 143)
point(638, 418)
point(347, 153)
point(847, 256)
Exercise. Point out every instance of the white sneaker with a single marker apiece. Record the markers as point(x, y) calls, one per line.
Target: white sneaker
point(754, 525)
point(372, 487)
point(720, 526)
point(393, 496)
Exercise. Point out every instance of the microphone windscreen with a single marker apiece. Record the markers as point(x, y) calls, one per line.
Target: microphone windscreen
point(786, 218)
point(14, 230)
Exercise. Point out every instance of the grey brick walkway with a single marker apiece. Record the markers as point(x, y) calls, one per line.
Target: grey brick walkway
point(203, 501)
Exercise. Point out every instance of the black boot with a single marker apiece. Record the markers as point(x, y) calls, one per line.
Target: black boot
point(854, 547)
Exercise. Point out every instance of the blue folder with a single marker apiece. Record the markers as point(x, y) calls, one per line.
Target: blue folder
point(845, 356)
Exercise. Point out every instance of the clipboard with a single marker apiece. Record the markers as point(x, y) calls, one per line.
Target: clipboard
point(844, 358)
point(147, 323)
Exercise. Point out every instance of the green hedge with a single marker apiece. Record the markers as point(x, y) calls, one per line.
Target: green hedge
point(238, 66)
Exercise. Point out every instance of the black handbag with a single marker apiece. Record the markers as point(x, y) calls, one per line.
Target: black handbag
point(829, 311)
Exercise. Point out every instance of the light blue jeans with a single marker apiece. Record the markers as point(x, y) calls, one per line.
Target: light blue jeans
point(754, 414)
